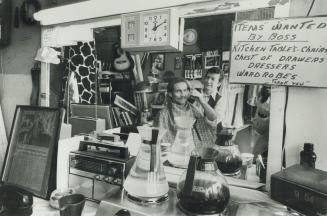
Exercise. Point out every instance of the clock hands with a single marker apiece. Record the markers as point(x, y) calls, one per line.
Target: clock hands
point(156, 26)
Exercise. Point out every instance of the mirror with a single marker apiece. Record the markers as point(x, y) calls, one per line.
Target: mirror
point(206, 44)
point(247, 106)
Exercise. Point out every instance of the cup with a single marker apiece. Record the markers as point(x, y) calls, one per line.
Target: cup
point(71, 205)
point(247, 159)
point(261, 167)
point(57, 194)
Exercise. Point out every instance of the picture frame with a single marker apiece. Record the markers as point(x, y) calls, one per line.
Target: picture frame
point(31, 157)
point(211, 61)
point(178, 63)
point(193, 67)
point(160, 98)
point(158, 61)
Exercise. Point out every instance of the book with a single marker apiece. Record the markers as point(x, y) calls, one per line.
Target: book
point(123, 117)
point(114, 118)
point(118, 116)
point(125, 105)
point(128, 118)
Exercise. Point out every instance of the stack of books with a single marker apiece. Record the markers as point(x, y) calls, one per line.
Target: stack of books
point(123, 114)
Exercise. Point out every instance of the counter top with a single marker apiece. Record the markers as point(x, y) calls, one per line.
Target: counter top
point(243, 202)
point(41, 207)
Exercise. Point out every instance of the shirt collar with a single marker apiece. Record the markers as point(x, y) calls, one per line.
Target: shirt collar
point(181, 106)
point(213, 94)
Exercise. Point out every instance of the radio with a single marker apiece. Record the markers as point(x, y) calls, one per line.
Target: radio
point(301, 188)
point(97, 173)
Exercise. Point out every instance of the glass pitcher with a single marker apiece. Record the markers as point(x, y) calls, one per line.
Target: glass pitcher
point(146, 181)
point(183, 145)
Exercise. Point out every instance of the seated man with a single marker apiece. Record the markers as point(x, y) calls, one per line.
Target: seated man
point(211, 96)
point(179, 91)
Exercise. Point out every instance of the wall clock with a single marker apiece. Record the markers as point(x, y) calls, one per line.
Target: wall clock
point(190, 36)
point(156, 30)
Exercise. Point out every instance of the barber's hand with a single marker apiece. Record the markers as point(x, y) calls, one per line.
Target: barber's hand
point(197, 95)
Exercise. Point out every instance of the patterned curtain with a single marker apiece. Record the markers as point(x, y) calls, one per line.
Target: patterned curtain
point(81, 60)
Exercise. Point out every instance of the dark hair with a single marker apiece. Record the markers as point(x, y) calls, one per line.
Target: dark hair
point(216, 70)
point(264, 93)
point(173, 81)
point(167, 76)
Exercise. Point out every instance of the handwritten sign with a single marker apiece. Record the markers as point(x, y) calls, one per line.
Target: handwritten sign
point(287, 51)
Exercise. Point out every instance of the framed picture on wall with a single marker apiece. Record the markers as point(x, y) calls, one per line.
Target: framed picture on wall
point(158, 61)
point(178, 63)
point(211, 61)
point(31, 157)
point(193, 66)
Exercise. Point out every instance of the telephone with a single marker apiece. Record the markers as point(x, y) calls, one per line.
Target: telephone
point(15, 201)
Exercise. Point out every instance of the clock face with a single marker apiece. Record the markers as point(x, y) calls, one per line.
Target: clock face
point(190, 36)
point(155, 28)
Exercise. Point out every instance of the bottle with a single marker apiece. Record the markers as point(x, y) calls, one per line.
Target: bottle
point(308, 156)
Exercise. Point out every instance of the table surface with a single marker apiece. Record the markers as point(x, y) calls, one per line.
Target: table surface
point(249, 202)
point(41, 207)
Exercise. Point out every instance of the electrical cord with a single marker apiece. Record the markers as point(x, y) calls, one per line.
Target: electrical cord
point(312, 3)
point(284, 130)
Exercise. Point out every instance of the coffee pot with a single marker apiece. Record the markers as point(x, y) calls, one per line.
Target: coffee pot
point(183, 145)
point(202, 189)
point(146, 181)
point(229, 158)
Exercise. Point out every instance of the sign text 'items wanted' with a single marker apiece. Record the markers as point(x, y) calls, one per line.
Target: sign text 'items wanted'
point(287, 51)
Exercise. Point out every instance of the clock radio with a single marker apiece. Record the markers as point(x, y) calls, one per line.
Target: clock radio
point(301, 188)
